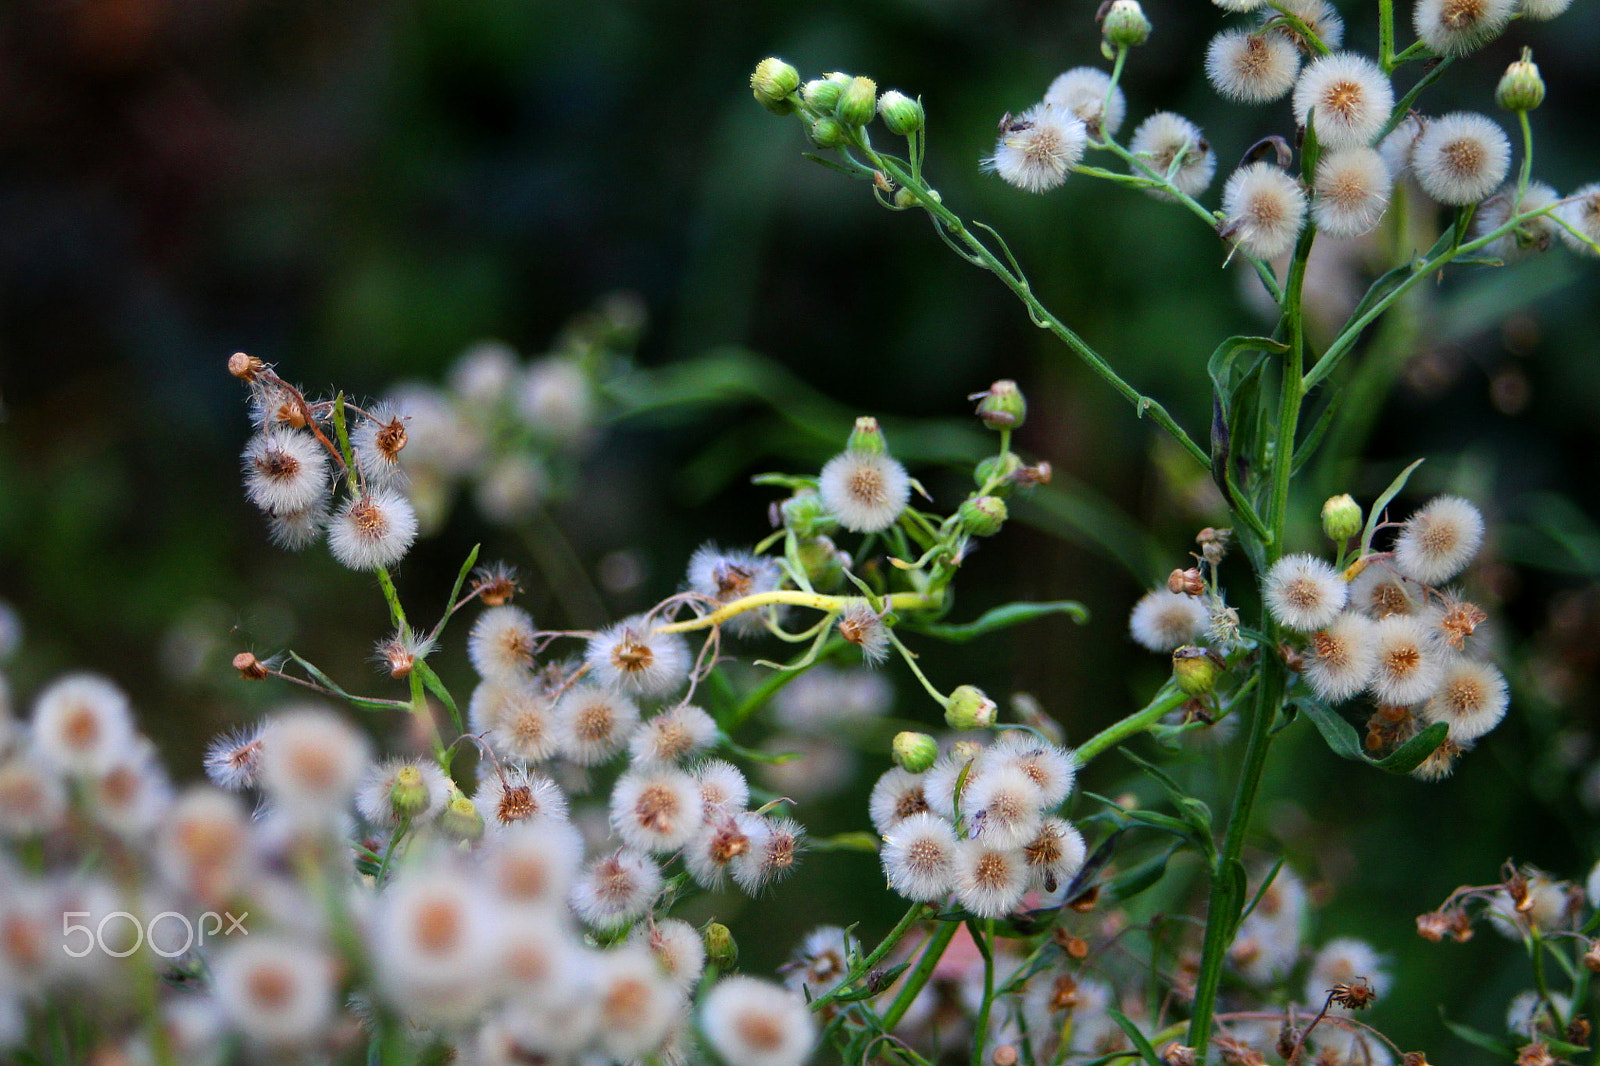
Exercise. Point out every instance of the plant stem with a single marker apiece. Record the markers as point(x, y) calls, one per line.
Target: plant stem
point(984, 938)
point(899, 601)
point(864, 967)
point(1165, 701)
point(919, 976)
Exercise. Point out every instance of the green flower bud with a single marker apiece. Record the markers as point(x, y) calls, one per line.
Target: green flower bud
point(969, 708)
point(721, 949)
point(409, 794)
point(1341, 518)
point(904, 197)
point(807, 516)
point(966, 750)
point(1001, 469)
point(900, 113)
point(1001, 406)
point(858, 102)
point(982, 516)
point(1125, 25)
point(1195, 670)
point(866, 437)
point(827, 132)
point(915, 751)
point(823, 93)
point(1521, 88)
point(460, 818)
point(824, 564)
point(773, 82)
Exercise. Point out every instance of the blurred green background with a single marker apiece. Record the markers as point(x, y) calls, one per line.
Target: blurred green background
point(357, 191)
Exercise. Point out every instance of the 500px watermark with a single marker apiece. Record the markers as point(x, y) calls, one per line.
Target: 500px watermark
point(166, 944)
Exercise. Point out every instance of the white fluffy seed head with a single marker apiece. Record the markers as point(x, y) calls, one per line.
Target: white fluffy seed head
point(1251, 66)
point(1319, 16)
point(1341, 658)
point(1408, 665)
point(1163, 620)
point(864, 627)
point(865, 491)
point(274, 991)
point(1439, 540)
point(532, 865)
point(1304, 592)
point(537, 955)
point(775, 845)
point(1267, 945)
point(502, 642)
point(1343, 961)
point(656, 808)
point(720, 840)
point(515, 718)
point(1082, 91)
point(631, 657)
point(1265, 209)
point(132, 794)
point(615, 889)
point(1471, 698)
point(296, 530)
point(1003, 806)
point(373, 530)
point(1050, 768)
point(722, 785)
point(512, 797)
point(1530, 237)
point(725, 576)
point(311, 762)
point(81, 724)
point(1543, 10)
point(990, 880)
point(948, 780)
point(1352, 191)
point(678, 948)
point(673, 735)
point(1397, 146)
point(1581, 211)
point(285, 471)
point(591, 723)
point(896, 796)
point(1055, 855)
point(1456, 27)
point(1461, 157)
point(377, 442)
point(33, 799)
point(919, 855)
point(1379, 591)
point(1174, 148)
point(756, 1023)
point(1037, 150)
point(1346, 97)
point(638, 1004)
point(435, 944)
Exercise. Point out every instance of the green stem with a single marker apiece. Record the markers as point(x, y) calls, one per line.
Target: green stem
point(1167, 700)
point(1526, 173)
point(877, 955)
point(931, 954)
point(1386, 35)
point(984, 938)
point(911, 661)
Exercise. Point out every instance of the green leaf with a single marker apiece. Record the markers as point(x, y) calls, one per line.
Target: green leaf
point(1221, 364)
point(1238, 886)
point(1132, 882)
point(1346, 743)
point(431, 682)
point(1146, 1052)
point(461, 579)
point(359, 701)
point(1376, 514)
point(1194, 812)
point(859, 840)
point(1002, 617)
point(1479, 1039)
point(1266, 883)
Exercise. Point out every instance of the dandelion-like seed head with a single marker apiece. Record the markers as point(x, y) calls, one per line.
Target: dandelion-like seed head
point(1252, 67)
point(656, 808)
point(896, 796)
point(274, 991)
point(1461, 158)
point(1162, 620)
point(502, 642)
point(631, 657)
point(1352, 191)
point(774, 850)
point(1055, 855)
point(1265, 208)
point(756, 1023)
point(1319, 16)
point(1082, 91)
point(285, 471)
point(616, 889)
point(990, 880)
point(1175, 148)
point(1439, 540)
point(1581, 211)
point(1456, 27)
point(81, 724)
point(311, 762)
point(1346, 98)
point(918, 856)
point(1341, 657)
point(518, 797)
point(1530, 237)
point(673, 735)
point(373, 530)
point(1408, 668)
point(533, 864)
point(592, 723)
point(864, 627)
point(1304, 592)
point(1003, 806)
point(865, 491)
point(1471, 698)
point(1036, 150)
point(33, 799)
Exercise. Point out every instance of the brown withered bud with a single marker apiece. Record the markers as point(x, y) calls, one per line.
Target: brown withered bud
point(245, 367)
point(1288, 1040)
point(1355, 995)
point(1064, 994)
point(1087, 900)
point(1076, 947)
point(494, 585)
point(1535, 1054)
point(1237, 1052)
point(1591, 958)
point(1213, 544)
point(1029, 476)
point(1189, 582)
point(1460, 926)
point(1459, 621)
point(397, 658)
point(1414, 1058)
point(1292, 658)
point(1176, 1054)
point(1004, 1055)
point(1578, 1031)
point(1516, 886)
point(250, 668)
point(1434, 925)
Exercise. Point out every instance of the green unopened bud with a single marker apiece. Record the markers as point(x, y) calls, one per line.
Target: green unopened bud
point(823, 93)
point(807, 516)
point(915, 751)
point(858, 102)
point(773, 83)
point(867, 438)
point(900, 113)
point(1341, 518)
point(904, 197)
point(827, 132)
point(969, 708)
point(1194, 670)
point(1521, 88)
point(721, 949)
point(408, 797)
point(999, 469)
point(824, 564)
point(1001, 406)
point(1125, 25)
point(460, 818)
point(966, 750)
point(982, 516)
